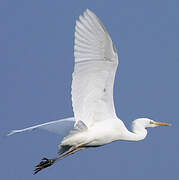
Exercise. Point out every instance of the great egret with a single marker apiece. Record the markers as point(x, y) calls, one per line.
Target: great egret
point(95, 122)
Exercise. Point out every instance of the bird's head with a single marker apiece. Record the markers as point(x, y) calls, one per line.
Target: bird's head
point(146, 123)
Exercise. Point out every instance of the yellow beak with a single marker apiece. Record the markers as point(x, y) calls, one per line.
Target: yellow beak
point(161, 124)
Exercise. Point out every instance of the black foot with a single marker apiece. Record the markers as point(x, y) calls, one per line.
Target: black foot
point(44, 164)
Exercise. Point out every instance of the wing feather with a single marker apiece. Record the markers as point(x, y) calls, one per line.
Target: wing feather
point(61, 127)
point(96, 62)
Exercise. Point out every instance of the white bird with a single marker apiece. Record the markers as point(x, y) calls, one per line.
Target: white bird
point(95, 122)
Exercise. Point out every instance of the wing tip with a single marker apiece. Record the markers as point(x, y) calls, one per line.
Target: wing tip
point(12, 132)
point(89, 11)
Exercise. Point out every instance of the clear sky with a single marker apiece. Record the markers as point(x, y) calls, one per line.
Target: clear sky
point(37, 71)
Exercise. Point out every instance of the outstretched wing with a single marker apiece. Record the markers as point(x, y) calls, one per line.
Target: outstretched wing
point(62, 127)
point(96, 62)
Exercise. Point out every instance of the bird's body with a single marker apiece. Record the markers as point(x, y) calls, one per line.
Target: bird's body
point(95, 122)
point(99, 134)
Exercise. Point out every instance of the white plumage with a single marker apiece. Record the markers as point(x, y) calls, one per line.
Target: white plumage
point(95, 122)
point(94, 72)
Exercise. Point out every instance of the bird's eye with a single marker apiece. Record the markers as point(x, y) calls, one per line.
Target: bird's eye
point(151, 122)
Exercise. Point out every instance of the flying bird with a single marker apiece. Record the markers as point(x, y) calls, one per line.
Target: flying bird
point(95, 122)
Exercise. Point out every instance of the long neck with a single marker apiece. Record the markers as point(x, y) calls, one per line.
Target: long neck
point(138, 133)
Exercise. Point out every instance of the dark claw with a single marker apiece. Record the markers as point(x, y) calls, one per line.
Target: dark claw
point(36, 170)
point(43, 164)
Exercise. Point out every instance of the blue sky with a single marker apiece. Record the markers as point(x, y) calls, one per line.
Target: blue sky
point(36, 75)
